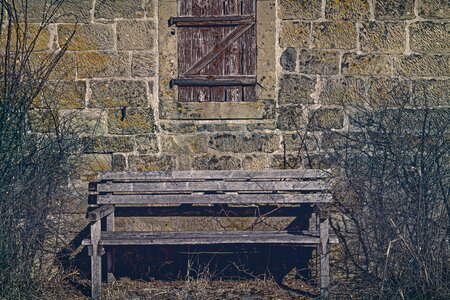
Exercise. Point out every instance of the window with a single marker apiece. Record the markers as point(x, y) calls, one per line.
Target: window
point(216, 50)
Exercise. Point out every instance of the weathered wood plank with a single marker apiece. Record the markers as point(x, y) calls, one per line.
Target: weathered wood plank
point(110, 253)
point(212, 237)
point(248, 50)
point(213, 186)
point(219, 48)
point(216, 175)
point(215, 199)
point(100, 212)
point(211, 21)
point(324, 257)
point(214, 82)
point(96, 261)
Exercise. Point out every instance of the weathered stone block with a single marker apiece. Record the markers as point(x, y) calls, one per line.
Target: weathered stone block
point(91, 164)
point(434, 8)
point(63, 70)
point(319, 62)
point(431, 92)
point(300, 9)
point(167, 50)
point(143, 64)
point(146, 143)
point(256, 162)
point(69, 11)
point(296, 89)
point(271, 125)
point(383, 37)
point(102, 64)
point(288, 59)
point(266, 47)
point(291, 118)
point(347, 10)
point(327, 118)
point(151, 163)
point(116, 93)
point(321, 161)
point(216, 110)
point(135, 34)
point(110, 9)
point(87, 121)
point(72, 11)
point(288, 161)
point(41, 120)
point(295, 34)
point(343, 91)
point(215, 162)
point(241, 143)
point(367, 64)
point(184, 144)
point(87, 36)
point(180, 128)
point(301, 142)
point(110, 144)
point(149, 8)
point(422, 65)
point(388, 92)
point(136, 121)
point(65, 94)
point(36, 34)
point(430, 37)
point(394, 9)
point(334, 35)
point(118, 163)
point(339, 141)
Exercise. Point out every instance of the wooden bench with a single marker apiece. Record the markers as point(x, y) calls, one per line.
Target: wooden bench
point(143, 193)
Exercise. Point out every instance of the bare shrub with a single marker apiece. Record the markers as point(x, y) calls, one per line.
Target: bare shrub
point(37, 150)
point(392, 198)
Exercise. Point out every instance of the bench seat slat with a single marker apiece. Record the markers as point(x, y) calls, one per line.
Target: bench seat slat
point(212, 186)
point(118, 238)
point(215, 199)
point(214, 175)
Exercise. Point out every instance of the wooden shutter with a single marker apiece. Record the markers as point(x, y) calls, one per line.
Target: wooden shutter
point(216, 50)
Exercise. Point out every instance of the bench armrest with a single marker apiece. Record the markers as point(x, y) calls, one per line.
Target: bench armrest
point(100, 212)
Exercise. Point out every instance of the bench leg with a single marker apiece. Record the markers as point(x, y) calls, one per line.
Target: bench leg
point(110, 226)
point(96, 261)
point(110, 265)
point(324, 256)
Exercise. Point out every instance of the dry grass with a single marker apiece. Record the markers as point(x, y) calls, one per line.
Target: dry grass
point(187, 289)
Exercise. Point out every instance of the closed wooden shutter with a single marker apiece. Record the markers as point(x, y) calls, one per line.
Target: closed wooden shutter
point(216, 50)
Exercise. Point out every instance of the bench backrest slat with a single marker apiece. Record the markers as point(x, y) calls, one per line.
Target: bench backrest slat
point(213, 186)
point(214, 199)
point(213, 175)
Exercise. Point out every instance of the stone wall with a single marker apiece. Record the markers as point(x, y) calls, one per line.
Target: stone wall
point(326, 52)
point(313, 55)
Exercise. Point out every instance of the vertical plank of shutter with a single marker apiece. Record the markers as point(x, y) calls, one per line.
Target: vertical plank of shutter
point(248, 53)
point(232, 56)
point(200, 93)
point(207, 45)
point(185, 92)
point(217, 93)
point(182, 49)
point(181, 7)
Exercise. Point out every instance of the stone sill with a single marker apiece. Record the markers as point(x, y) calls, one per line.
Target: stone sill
point(173, 110)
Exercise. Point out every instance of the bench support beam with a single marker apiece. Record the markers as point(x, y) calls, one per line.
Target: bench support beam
point(96, 260)
point(323, 225)
point(110, 253)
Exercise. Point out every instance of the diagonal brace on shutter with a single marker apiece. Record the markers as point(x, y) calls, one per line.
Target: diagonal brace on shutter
point(219, 48)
